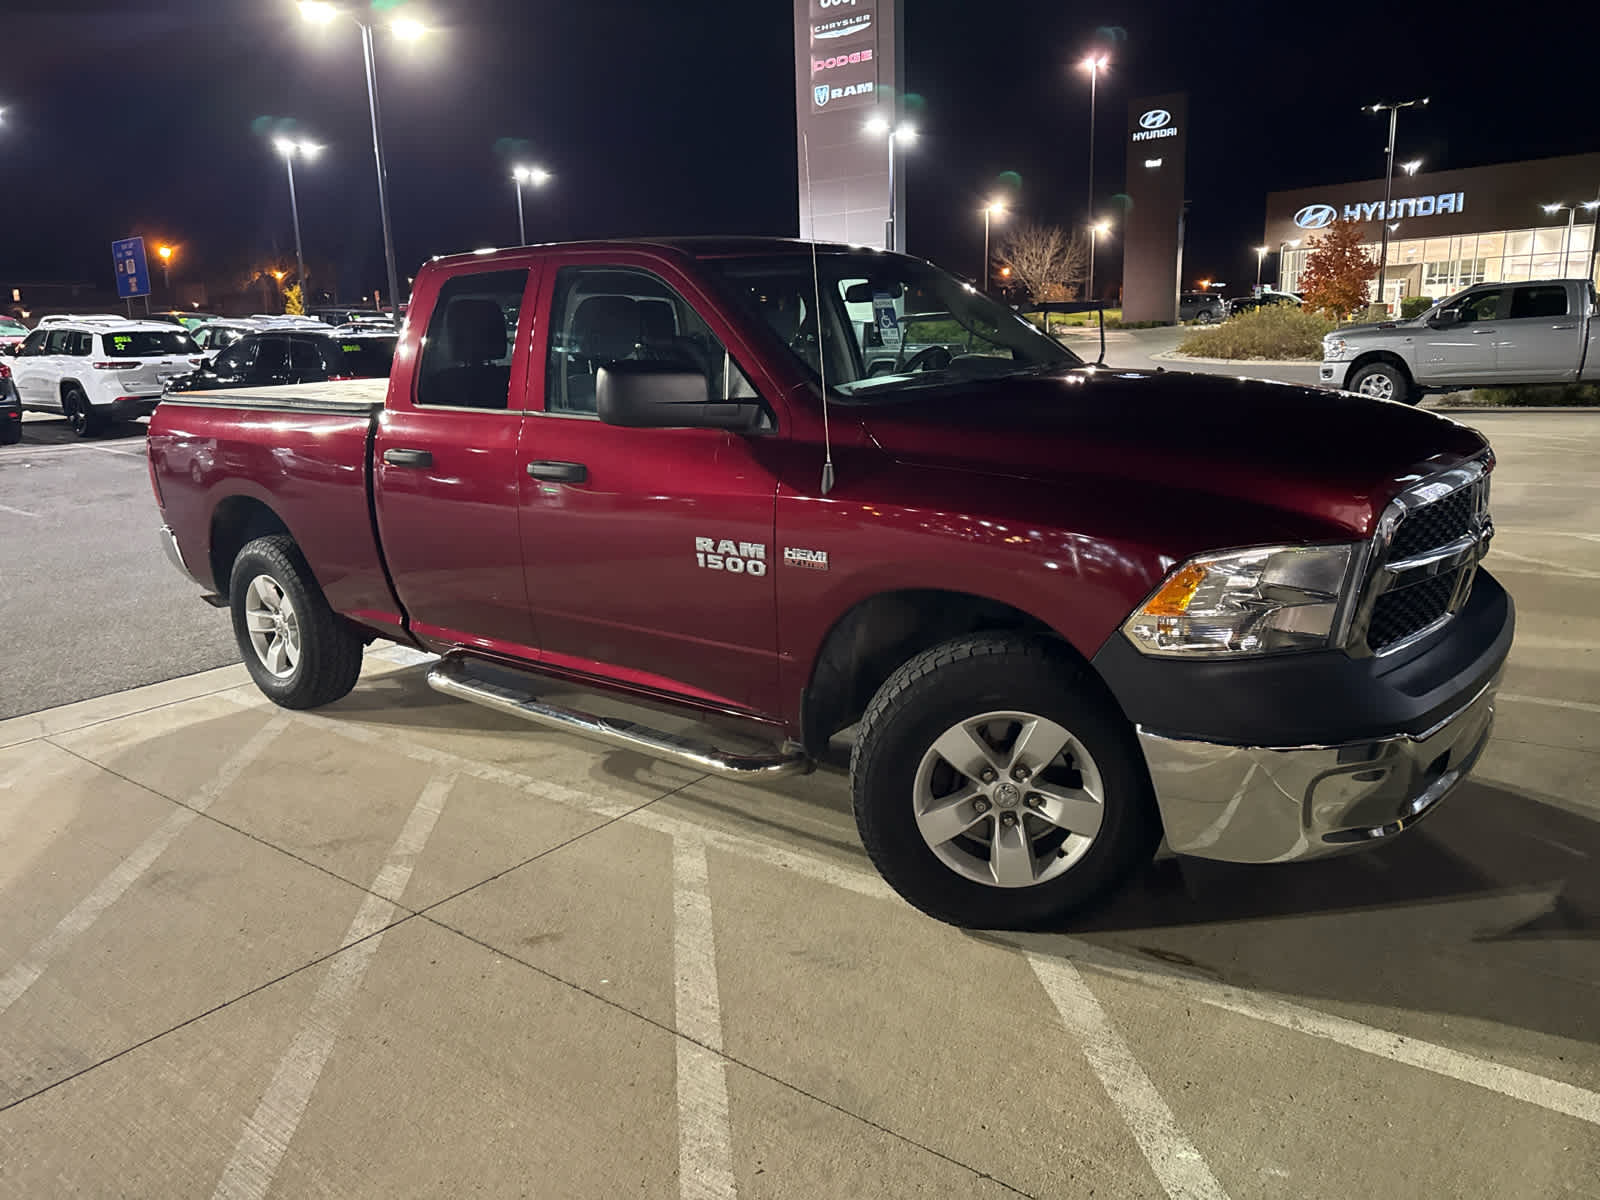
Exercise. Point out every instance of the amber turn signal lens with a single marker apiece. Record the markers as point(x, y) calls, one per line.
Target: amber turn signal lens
point(1173, 598)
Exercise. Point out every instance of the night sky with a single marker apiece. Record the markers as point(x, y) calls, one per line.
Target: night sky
point(677, 116)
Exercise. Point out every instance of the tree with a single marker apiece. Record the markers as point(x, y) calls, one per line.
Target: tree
point(293, 301)
point(1337, 272)
point(1044, 261)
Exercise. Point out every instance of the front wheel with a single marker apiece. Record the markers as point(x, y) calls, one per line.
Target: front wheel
point(297, 649)
point(1384, 381)
point(997, 786)
point(1204, 318)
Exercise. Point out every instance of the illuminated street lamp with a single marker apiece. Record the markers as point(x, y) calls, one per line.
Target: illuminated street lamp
point(1388, 186)
point(320, 12)
point(165, 254)
point(1261, 257)
point(288, 147)
point(1095, 230)
point(993, 209)
point(537, 176)
point(1094, 64)
point(879, 126)
point(1412, 167)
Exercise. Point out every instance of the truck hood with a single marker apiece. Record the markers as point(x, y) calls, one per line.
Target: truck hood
point(1327, 461)
point(1381, 328)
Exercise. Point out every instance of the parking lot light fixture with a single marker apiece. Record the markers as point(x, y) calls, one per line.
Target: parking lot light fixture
point(1388, 186)
point(408, 29)
point(1095, 231)
point(164, 252)
point(1261, 257)
point(1095, 64)
point(318, 12)
point(1412, 167)
point(902, 134)
point(995, 209)
point(1566, 244)
point(537, 176)
point(290, 148)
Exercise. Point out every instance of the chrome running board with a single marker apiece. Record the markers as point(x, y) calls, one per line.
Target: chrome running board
point(509, 690)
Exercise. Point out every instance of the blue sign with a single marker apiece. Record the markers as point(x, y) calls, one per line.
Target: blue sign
point(133, 273)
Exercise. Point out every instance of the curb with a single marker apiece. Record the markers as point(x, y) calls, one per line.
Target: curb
point(1174, 356)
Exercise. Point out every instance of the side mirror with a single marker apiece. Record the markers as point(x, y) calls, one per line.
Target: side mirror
point(659, 395)
point(1444, 317)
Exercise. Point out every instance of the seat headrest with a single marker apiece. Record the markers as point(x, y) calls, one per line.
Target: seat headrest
point(658, 324)
point(606, 328)
point(475, 329)
point(783, 314)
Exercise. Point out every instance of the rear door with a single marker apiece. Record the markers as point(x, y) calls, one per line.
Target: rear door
point(1464, 351)
point(1541, 337)
point(446, 463)
point(649, 551)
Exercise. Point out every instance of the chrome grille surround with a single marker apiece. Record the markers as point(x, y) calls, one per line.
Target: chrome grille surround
point(1445, 537)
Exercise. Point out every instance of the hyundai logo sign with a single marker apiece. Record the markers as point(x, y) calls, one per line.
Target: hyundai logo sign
point(1316, 216)
point(1156, 118)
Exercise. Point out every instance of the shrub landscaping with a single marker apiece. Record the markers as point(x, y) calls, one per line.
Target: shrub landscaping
point(1273, 331)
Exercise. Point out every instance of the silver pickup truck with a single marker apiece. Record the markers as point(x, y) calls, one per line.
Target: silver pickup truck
point(1491, 335)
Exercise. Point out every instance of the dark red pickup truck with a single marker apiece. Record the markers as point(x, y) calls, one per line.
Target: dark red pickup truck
point(1067, 609)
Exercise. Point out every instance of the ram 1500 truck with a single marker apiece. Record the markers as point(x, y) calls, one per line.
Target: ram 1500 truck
point(1491, 335)
point(1064, 610)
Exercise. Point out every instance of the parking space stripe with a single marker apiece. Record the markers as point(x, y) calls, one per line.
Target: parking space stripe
point(18, 512)
point(1575, 705)
point(1178, 1166)
point(267, 1133)
point(705, 1152)
point(106, 893)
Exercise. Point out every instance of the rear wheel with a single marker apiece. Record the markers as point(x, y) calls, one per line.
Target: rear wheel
point(85, 422)
point(300, 653)
point(1204, 317)
point(10, 429)
point(997, 786)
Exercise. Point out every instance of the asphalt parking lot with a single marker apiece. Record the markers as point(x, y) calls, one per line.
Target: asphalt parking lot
point(405, 946)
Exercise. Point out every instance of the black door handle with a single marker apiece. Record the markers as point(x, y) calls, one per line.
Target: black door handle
point(561, 472)
point(408, 458)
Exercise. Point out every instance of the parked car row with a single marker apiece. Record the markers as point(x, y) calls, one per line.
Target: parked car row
point(1206, 308)
point(101, 369)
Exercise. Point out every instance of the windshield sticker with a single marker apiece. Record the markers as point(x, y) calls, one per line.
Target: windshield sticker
point(888, 323)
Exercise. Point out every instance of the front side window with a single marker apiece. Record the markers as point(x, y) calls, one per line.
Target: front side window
point(238, 358)
point(886, 323)
point(1549, 300)
point(604, 315)
point(1481, 306)
point(273, 355)
point(34, 343)
point(466, 353)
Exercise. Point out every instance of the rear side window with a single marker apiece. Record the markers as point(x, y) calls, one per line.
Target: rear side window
point(362, 357)
point(303, 356)
point(142, 343)
point(82, 344)
point(273, 355)
point(60, 341)
point(1547, 301)
point(466, 355)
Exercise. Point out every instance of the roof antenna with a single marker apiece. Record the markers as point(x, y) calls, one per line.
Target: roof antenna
point(816, 298)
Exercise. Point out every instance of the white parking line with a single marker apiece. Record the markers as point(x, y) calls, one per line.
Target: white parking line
point(1544, 566)
point(267, 1133)
point(22, 976)
point(1183, 1173)
point(17, 512)
point(705, 1153)
point(1575, 705)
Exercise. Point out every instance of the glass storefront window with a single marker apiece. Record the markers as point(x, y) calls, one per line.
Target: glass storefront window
point(1548, 241)
point(1491, 245)
point(1519, 242)
point(1516, 268)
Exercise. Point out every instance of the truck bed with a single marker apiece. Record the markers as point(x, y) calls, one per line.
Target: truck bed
point(341, 396)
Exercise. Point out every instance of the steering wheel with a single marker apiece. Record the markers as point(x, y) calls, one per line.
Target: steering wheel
point(929, 358)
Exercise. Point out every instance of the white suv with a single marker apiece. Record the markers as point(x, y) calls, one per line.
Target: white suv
point(100, 369)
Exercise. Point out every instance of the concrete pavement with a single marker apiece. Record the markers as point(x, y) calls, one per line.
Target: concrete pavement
point(405, 946)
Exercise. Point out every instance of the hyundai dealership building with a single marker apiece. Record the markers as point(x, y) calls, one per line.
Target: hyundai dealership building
point(1451, 229)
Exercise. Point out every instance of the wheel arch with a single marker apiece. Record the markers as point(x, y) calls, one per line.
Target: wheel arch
point(871, 639)
point(236, 521)
point(1370, 357)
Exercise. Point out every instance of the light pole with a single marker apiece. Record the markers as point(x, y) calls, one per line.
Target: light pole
point(1388, 184)
point(1095, 231)
point(1566, 241)
point(879, 126)
point(1283, 249)
point(537, 176)
point(1094, 64)
point(288, 147)
point(165, 254)
point(1261, 257)
point(321, 12)
point(993, 209)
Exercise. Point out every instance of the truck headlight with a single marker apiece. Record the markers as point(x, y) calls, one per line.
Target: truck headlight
point(1245, 602)
point(1334, 349)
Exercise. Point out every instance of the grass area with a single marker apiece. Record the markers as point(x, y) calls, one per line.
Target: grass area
point(1273, 332)
point(1534, 395)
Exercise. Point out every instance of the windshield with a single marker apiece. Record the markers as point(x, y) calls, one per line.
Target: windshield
point(366, 357)
point(888, 323)
point(148, 343)
point(9, 327)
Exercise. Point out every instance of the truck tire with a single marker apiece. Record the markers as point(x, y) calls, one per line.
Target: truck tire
point(1384, 381)
point(996, 785)
point(85, 422)
point(298, 650)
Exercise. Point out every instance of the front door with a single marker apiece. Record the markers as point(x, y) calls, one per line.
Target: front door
point(33, 372)
point(447, 470)
point(1463, 351)
point(1541, 338)
point(649, 552)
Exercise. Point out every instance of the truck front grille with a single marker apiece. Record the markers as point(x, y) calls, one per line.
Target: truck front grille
point(1412, 590)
